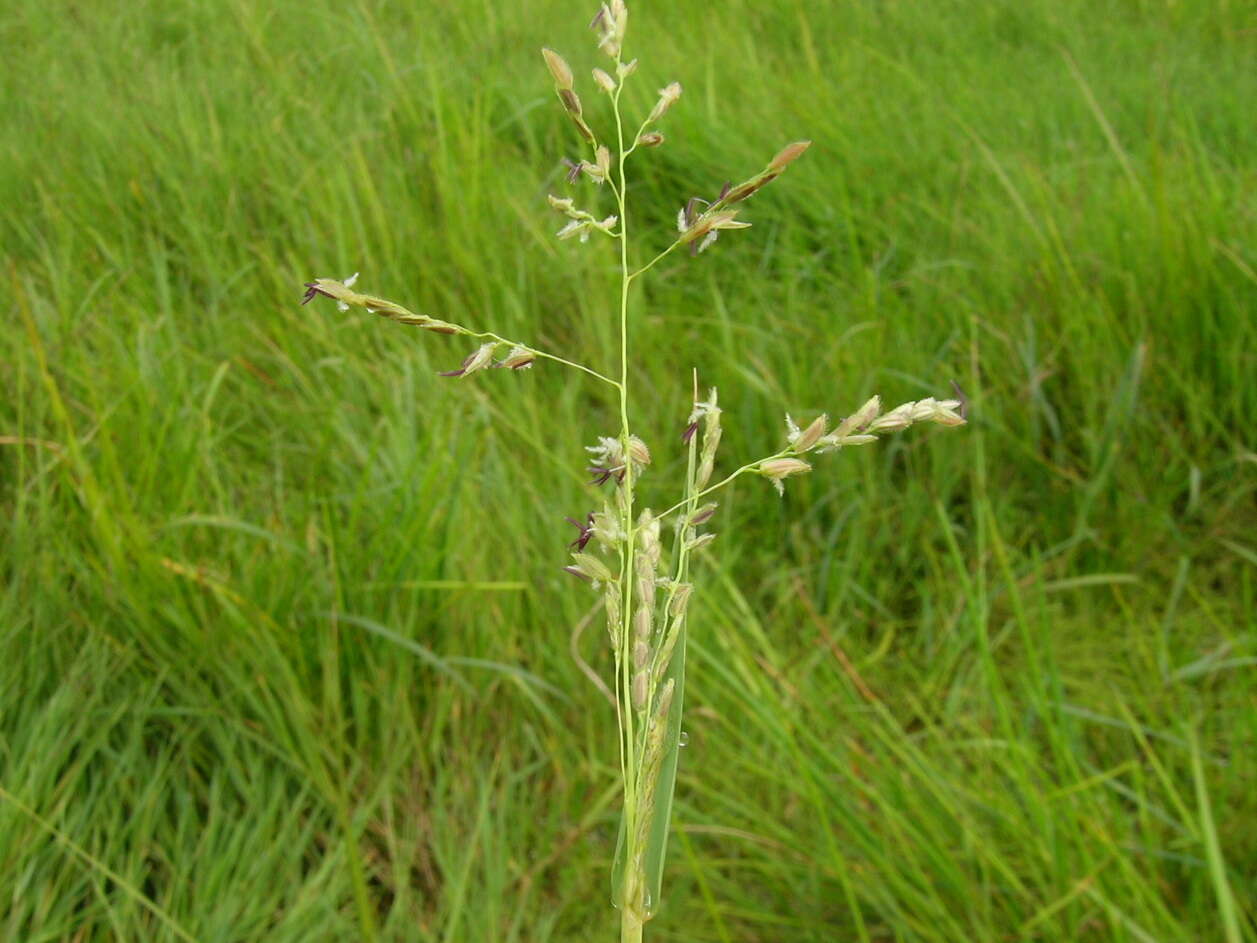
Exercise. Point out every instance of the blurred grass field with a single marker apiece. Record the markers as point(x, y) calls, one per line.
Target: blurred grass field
point(286, 649)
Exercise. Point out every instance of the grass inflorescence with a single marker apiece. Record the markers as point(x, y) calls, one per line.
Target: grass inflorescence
point(271, 591)
point(646, 593)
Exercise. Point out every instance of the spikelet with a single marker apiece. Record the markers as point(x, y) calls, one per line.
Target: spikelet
point(708, 413)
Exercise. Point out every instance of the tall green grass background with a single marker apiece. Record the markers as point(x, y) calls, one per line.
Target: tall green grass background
point(285, 651)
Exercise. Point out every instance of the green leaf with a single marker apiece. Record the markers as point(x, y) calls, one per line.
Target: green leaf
point(661, 817)
point(657, 845)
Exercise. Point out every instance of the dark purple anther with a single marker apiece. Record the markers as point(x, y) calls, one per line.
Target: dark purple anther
point(461, 370)
point(724, 191)
point(601, 475)
point(689, 432)
point(690, 207)
point(573, 170)
point(586, 531)
point(964, 400)
point(312, 289)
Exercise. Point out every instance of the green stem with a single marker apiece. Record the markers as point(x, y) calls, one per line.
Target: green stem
point(396, 312)
point(490, 336)
point(751, 466)
point(631, 910)
point(630, 927)
point(659, 258)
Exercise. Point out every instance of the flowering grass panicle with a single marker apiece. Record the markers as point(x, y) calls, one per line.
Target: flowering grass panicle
point(645, 580)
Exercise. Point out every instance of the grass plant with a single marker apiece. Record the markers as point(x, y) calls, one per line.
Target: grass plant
point(285, 653)
point(645, 594)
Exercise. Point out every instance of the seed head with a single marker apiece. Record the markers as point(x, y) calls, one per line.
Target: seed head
point(702, 515)
point(572, 105)
point(806, 439)
point(860, 418)
point(637, 451)
point(604, 81)
point(708, 410)
point(478, 360)
point(923, 409)
point(787, 155)
point(608, 458)
point(949, 412)
point(646, 580)
point(698, 543)
point(705, 470)
point(784, 157)
point(582, 224)
point(663, 703)
point(611, 22)
point(929, 409)
point(709, 413)
point(606, 527)
point(704, 230)
point(559, 68)
point(641, 654)
point(520, 358)
point(331, 288)
point(592, 567)
point(641, 624)
point(778, 469)
point(571, 101)
point(898, 418)
point(650, 548)
point(615, 619)
point(602, 167)
point(667, 97)
point(650, 139)
point(680, 599)
point(641, 689)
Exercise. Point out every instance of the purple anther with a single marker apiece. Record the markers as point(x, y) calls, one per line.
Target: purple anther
point(312, 289)
point(586, 531)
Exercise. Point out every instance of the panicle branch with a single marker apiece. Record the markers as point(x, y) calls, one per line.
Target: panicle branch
point(512, 355)
point(860, 428)
point(700, 222)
